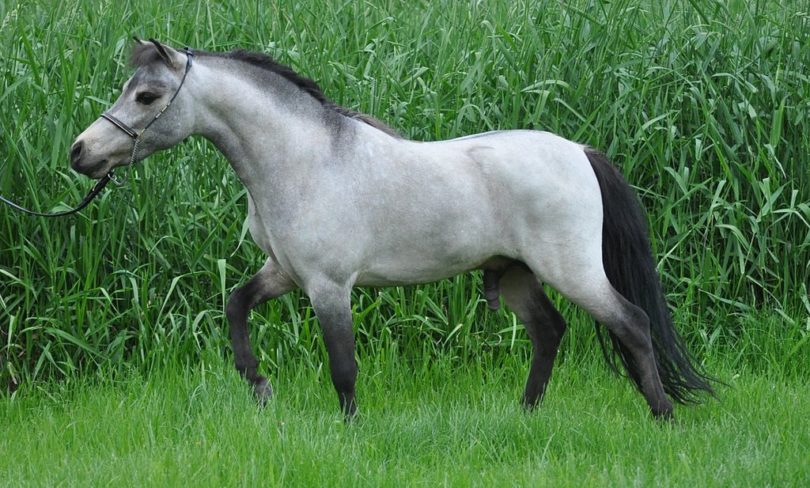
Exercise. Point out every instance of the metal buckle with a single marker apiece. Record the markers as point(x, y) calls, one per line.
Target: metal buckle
point(119, 182)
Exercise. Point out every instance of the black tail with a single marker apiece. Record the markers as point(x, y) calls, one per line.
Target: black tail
point(630, 267)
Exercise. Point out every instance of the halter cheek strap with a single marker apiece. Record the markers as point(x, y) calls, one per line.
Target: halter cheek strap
point(136, 135)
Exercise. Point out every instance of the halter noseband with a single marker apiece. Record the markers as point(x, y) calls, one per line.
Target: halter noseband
point(136, 135)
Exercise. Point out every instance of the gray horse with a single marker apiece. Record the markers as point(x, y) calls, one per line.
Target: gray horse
point(336, 200)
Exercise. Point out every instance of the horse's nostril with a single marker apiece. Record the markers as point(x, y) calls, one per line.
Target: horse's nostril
point(76, 152)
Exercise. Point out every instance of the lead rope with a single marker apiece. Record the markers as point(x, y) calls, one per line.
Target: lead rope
point(100, 184)
point(119, 182)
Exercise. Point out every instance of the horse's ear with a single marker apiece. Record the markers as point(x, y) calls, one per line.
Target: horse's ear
point(162, 52)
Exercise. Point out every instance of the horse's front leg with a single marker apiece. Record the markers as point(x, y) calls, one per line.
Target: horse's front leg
point(269, 282)
point(332, 305)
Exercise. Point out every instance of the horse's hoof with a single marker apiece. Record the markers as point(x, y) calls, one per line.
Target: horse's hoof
point(263, 391)
point(664, 414)
point(352, 417)
point(529, 406)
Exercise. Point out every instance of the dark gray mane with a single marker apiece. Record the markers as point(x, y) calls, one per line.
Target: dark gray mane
point(146, 53)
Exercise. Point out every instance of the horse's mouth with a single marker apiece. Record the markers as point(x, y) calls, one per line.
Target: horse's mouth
point(95, 171)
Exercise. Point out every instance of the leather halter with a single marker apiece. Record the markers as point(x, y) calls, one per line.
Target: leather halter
point(132, 133)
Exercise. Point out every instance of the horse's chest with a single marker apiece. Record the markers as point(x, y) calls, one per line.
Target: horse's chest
point(258, 231)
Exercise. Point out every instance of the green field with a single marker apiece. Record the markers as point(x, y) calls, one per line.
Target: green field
point(114, 357)
point(200, 427)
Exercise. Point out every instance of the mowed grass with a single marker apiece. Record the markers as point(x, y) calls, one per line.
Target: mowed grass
point(451, 425)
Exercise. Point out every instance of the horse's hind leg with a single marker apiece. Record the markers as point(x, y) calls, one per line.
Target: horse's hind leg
point(524, 294)
point(269, 282)
point(631, 325)
point(585, 283)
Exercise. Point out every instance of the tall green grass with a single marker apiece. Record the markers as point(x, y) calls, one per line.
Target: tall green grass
point(703, 105)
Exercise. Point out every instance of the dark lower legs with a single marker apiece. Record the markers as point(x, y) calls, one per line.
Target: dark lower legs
point(268, 283)
point(632, 328)
point(630, 325)
point(332, 306)
point(524, 294)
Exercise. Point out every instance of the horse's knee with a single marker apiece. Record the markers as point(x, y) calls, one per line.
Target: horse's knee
point(235, 306)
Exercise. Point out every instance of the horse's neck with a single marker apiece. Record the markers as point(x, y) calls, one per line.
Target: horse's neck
point(268, 142)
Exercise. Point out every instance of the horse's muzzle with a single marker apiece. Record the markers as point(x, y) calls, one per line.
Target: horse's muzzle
point(76, 154)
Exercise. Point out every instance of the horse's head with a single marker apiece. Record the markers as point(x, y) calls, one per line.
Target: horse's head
point(118, 137)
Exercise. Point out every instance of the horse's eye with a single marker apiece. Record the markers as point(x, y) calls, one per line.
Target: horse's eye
point(146, 98)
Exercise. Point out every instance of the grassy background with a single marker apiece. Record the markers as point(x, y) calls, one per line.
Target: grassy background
point(703, 105)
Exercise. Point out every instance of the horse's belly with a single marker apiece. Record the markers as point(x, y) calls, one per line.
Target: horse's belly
point(414, 262)
point(399, 275)
point(439, 233)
